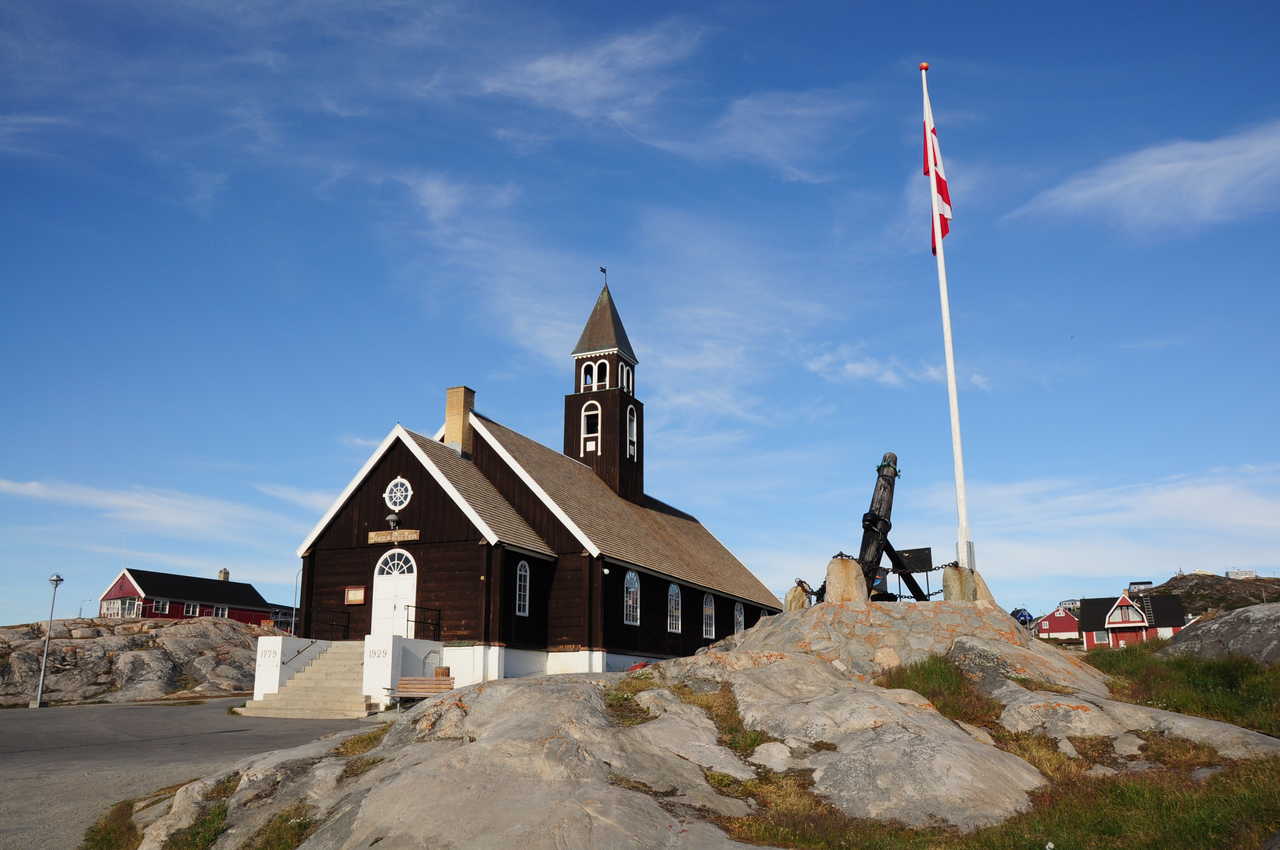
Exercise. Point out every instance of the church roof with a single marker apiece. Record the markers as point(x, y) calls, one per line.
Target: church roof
point(480, 494)
point(604, 330)
point(651, 535)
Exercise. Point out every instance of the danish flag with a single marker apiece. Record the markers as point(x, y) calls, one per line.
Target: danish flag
point(933, 157)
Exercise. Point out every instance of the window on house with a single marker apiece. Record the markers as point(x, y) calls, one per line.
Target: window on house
point(631, 599)
point(191, 609)
point(590, 441)
point(394, 563)
point(1125, 614)
point(602, 375)
point(1102, 637)
point(159, 606)
point(708, 616)
point(673, 608)
point(219, 610)
point(588, 377)
point(631, 432)
point(129, 607)
point(522, 589)
point(739, 618)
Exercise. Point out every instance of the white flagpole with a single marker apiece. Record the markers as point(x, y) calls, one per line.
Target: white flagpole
point(964, 546)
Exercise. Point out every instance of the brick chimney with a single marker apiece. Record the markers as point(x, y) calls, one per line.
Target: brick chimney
point(224, 574)
point(458, 434)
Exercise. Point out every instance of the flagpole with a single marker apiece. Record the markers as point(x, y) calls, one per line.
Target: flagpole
point(964, 546)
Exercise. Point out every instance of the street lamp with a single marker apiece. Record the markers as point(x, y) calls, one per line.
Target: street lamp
point(54, 580)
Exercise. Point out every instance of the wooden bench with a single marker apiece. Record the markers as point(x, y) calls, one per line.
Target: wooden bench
point(420, 687)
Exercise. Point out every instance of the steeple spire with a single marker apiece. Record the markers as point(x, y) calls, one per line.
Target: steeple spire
point(604, 330)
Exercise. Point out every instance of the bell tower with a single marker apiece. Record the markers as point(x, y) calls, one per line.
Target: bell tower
point(603, 419)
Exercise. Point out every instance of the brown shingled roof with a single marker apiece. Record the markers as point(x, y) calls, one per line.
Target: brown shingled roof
point(604, 330)
point(652, 535)
point(483, 497)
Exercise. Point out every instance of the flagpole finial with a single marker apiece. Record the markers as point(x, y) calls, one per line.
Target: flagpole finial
point(924, 66)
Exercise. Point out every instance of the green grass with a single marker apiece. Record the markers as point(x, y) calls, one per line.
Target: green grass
point(941, 682)
point(201, 834)
point(1236, 690)
point(359, 766)
point(358, 745)
point(722, 707)
point(115, 830)
point(289, 828)
point(620, 701)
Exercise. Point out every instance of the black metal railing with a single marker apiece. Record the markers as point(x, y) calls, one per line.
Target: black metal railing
point(331, 624)
point(424, 623)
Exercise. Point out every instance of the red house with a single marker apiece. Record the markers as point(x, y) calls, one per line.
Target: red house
point(1119, 621)
point(143, 593)
point(1060, 625)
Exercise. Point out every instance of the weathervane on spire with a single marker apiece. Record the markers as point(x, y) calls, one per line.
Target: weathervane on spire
point(605, 272)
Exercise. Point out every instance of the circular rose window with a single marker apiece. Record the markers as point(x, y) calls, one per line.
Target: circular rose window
point(397, 494)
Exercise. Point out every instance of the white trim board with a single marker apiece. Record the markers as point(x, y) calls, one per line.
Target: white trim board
point(533, 485)
point(398, 433)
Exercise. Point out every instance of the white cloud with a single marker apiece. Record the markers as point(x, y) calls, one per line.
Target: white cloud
point(313, 500)
point(613, 79)
point(17, 132)
point(443, 198)
point(355, 442)
point(1175, 186)
point(848, 364)
point(282, 572)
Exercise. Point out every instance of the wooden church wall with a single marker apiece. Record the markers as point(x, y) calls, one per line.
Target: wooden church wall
point(525, 502)
point(525, 632)
point(450, 556)
point(568, 603)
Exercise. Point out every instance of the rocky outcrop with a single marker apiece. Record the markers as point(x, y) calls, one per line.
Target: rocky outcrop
point(546, 762)
point(1253, 632)
point(115, 660)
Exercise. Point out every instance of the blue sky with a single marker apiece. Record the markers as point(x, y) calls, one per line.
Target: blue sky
point(239, 242)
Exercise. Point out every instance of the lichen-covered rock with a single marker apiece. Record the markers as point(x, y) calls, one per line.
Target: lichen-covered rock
point(125, 660)
point(1253, 632)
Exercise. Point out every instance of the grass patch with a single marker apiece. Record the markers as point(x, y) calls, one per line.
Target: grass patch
point(115, 830)
point(1095, 749)
point(722, 707)
point(636, 785)
point(620, 701)
point(223, 788)
point(201, 834)
point(359, 766)
point(1042, 753)
point(1040, 685)
point(1236, 690)
point(358, 745)
point(289, 828)
point(941, 682)
point(1177, 752)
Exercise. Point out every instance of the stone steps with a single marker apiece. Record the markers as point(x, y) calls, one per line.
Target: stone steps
point(329, 687)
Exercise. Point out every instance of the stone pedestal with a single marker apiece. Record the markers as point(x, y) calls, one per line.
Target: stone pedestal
point(957, 585)
point(845, 583)
point(982, 593)
point(796, 599)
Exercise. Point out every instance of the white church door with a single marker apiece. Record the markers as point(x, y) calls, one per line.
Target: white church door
point(395, 589)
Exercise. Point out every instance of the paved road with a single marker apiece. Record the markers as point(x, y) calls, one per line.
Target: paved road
point(62, 767)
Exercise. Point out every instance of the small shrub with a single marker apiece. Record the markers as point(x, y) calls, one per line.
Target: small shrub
point(359, 766)
point(941, 682)
point(726, 784)
point(115, 830)
point(289, 828)
point(358, 745)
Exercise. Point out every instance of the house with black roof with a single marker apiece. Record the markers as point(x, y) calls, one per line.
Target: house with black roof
point(1118, 621)
point(145, 593)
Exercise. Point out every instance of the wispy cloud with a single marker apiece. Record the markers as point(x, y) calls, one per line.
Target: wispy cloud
point(1175, 186)
point(352, 441)
point(613, 79)
point(163, 511)
point(313, 500)
point(850, 364)
point(18, 132)
point(281, 572)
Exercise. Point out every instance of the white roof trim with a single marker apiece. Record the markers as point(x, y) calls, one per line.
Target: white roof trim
point(1106, 621)
point(397, 433)
point(132, 580)
point(446, 485)
point(534, 486)
point(438, 436)
point(615, 350)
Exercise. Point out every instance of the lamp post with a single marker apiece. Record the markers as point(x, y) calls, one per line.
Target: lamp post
point(54, 580)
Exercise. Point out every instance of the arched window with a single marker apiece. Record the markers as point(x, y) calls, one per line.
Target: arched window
point(673, 608)
point(522, 589)
point(708, 616)
point(602, 375)
point(739, 618)
point(394, 563)
point(631, 599)
point(588, 377)
point(631, 431)
point(590, 440)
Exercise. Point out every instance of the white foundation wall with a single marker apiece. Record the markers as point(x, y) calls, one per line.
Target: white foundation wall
point(517, 663)
point(581, 661)
point(387, 658)
point(279, 659)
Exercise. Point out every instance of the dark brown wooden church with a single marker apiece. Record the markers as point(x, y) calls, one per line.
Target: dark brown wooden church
point(521, 558)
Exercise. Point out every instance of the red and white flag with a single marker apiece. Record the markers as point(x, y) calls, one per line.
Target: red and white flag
point(933, 158)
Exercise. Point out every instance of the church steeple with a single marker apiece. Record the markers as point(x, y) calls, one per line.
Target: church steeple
point(603, 420)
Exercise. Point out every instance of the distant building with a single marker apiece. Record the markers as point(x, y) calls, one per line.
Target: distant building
point(143, 593)
point(1060, 624)
point(1139, 586)
point(1072, 605)
point(1242, 573)
point(1119, 621)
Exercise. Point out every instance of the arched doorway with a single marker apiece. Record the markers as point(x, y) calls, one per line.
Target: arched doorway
point(395, 588)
